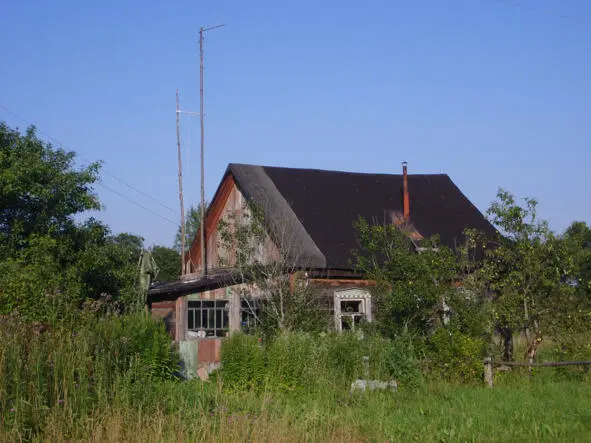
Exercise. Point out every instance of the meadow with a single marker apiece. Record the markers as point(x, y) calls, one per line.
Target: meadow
point(113, 379)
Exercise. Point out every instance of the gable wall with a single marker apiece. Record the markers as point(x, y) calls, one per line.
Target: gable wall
point(229, 202)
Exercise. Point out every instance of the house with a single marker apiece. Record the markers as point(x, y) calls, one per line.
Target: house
point(311, 213)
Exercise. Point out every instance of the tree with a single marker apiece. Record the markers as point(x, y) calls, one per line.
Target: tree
point(267, 274)
point(413, 279)
point(168, 261)
point(50, 263)
point(570, 321)
point(524, 270)
point(40, 191)
point(426, 292)
point(578, 236)
point(192, 225)
point(109, 265)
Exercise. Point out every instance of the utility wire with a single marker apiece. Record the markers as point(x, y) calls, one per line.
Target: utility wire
point(120, 180)
point(99, 182)
point(136, 203)
point(521, 5)
point(139, 191)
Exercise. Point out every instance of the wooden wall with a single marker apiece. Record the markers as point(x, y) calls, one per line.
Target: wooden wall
point(166, 311)
point(229, 203)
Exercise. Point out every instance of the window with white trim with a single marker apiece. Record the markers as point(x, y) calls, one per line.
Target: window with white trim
point(351, 307)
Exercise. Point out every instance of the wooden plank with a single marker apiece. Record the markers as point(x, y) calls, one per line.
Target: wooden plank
point(212, 218)
point(547, 363)
point(163, 305)
point(181, 318)
point(341, 281)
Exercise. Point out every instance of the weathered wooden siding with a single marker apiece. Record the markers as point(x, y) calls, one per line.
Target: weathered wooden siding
point(166, 311)
point(229, 204)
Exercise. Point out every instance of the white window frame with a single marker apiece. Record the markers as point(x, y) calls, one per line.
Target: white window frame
point(362, 296)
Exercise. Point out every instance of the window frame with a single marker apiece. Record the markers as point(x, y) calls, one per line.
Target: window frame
point(362, 296)
point(210, 312)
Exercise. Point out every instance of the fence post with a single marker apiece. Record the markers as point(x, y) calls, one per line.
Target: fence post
point(366, 367)
point(488, 372)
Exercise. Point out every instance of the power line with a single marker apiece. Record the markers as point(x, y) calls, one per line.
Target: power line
point(139, 191)
point(536, 9)
point(48, 136)
point(136, 203)
point(120, 180)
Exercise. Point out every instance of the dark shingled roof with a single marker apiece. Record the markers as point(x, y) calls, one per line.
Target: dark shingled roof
point(319, 207)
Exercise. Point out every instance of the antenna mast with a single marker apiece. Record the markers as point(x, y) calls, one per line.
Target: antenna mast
point(202, 115)
point(178, 144)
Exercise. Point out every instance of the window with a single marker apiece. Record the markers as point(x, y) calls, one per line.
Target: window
point(210, 316)
point(351, 307)
point(351, 314)
point(250, 312)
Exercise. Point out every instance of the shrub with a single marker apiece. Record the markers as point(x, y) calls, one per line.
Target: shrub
point(242, 360)
point(455, 356)
point(290, 362)
point(401, 361)
point(343, 356)
point(306, 363)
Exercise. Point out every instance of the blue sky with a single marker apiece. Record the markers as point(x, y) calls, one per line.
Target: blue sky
point(492, 92)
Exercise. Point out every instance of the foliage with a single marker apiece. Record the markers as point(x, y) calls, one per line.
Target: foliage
point(40, 190)
point(168, 261)
point(268, 277)
point(44, 368)
point(49, 262)
point(414, 289)
point(578, 237)
point(455, 356)
point(242, 362)
point(110, 266)
point(526, 270)
point(305, 363)
point(192, 225)
point(84, 264)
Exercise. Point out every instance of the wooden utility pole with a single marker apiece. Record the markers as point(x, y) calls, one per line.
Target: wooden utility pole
point(202, 119)
point(178, 144)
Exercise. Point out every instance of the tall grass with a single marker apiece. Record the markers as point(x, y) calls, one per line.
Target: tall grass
point(44, 369)
point(306, 363)
point(111, 379)
point(195, 411)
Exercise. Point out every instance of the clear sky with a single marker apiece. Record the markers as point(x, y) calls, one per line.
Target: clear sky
point(492, 92)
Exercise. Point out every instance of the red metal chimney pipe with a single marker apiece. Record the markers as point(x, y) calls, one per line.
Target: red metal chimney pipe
point(405, 196)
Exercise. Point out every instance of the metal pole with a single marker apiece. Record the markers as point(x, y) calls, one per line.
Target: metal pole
point(178, 144)
point(201, 118)
point(203, 249)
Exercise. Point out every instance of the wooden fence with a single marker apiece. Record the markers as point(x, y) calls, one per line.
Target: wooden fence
point(489, 364)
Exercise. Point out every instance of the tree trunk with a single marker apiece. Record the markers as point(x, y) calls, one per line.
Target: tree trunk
point(507, 334)
point(526, 315)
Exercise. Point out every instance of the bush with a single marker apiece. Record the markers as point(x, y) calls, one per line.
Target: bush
point(401, 361)
point(343, 356)
point(306, 363)
point(134, 337)
point(291, 360)
point(455, 356)
point(242, 361)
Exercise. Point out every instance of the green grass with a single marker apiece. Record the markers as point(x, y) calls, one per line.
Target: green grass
point(169, 411)
point(110, 380)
